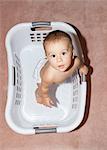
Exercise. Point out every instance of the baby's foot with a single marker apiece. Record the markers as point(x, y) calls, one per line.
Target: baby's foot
point(47, 102)
point(43, 100)
point(38, 97)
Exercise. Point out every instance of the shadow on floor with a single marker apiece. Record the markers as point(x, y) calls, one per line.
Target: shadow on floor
point(88, 77)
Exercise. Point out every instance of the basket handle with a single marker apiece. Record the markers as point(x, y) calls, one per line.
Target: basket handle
point(41, 26)
point(14, 76)
point(83, 77)
point(39, 130)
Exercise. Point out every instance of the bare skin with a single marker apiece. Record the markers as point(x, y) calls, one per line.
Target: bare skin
point(59, 67)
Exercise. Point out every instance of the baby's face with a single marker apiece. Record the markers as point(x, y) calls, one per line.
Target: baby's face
point(59, 54)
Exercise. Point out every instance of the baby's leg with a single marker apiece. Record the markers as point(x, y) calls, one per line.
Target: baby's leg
point(38, 97)
point(43, 100)
point(38, 94)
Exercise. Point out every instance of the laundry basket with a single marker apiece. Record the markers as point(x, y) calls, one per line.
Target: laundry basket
point(24, 45)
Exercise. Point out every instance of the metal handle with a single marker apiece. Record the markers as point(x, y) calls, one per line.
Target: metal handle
point(83, 78)
point(41, 24)
point(39, 130)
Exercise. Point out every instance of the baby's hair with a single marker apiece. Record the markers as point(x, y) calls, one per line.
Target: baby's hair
point(55, 36)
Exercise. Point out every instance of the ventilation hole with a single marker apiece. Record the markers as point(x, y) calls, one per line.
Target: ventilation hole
point(38, 34)
point(38, 37)
point(74, 106)
point(75, 86)
point(17, 81)
point(32, 37)
point(75, 92)
point(31, 34)
point(44, 33)
point(38, 40)
point(75, 99)
point(20, 78)
point(17, 102)
point(18, 95)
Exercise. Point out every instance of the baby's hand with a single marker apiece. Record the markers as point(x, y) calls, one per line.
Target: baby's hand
point(83, 69)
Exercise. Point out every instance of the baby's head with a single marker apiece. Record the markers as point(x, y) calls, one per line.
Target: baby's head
point(59, 50)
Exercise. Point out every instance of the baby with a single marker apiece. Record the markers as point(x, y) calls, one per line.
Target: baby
point(60, 64)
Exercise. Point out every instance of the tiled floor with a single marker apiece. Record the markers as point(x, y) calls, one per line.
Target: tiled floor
point(90, 17)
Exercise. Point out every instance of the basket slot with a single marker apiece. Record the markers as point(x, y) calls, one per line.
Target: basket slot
point(32, 34)
point(41, 28)
point(75, 83)
point(17, 80)
point(38, 37)
point(14, 76)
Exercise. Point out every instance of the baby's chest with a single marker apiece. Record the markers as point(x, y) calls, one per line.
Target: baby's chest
point(59, 77)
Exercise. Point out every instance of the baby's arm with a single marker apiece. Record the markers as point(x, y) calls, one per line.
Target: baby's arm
point(77, 64)
point(83, 69)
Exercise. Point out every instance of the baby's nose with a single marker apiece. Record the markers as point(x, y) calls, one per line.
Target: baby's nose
point(59, 59)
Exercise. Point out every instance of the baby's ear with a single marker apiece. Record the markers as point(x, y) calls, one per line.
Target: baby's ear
point(73, 53)
point(46, 57)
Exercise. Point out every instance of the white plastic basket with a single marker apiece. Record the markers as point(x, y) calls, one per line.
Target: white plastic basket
point(23, 114)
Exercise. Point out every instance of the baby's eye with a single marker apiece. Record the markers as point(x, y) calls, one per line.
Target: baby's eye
point(63, 53)
point(53, 56)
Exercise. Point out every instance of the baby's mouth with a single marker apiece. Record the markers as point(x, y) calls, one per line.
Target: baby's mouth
point(61, 66)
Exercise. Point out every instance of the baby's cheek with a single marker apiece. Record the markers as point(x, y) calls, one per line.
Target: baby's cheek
point(68, 59)
point(52, 63)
